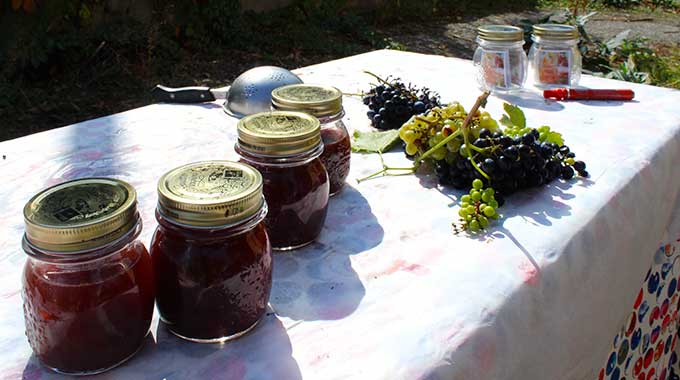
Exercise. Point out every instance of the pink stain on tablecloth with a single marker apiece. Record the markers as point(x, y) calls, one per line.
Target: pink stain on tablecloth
point(529, 273)
point(401, 265)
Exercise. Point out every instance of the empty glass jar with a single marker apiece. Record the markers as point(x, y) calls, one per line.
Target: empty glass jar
point(500, 59)
point(554, 57)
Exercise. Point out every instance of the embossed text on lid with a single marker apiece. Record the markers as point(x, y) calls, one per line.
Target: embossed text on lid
point(210, 193)
point(279, 133)
point(316, 100)
point(80, 214)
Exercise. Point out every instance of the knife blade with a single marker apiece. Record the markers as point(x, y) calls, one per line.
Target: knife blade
point(187, 94)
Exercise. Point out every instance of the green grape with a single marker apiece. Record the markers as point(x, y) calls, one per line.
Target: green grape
point(464, 204)
point(474, 225)
point(475, 195)
point(411, 149)
point(463, 151)
point(486, 197)
point(493, 203)
point(470, 210)
point(439, 154)
point(409, 136)
point(468, 218)
point(489, 211)
point(489, 191)
point(477, 184)
point(482, 205)
point(462, 212)
point(453, 145)
point(483, 221)
point(495, 216)
point(465, 198)
point(570, 161)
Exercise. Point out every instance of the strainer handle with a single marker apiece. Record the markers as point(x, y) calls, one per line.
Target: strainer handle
point(182, 94)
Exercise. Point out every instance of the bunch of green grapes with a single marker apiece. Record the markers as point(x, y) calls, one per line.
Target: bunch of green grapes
point(420, 133)
point(477, 208)
point(545, 134)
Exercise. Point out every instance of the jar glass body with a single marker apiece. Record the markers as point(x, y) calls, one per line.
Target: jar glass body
point(554, 63)
point(297, 190)
point(88, 312)
point(213, 284)
point(501, 65)
point(337, 150)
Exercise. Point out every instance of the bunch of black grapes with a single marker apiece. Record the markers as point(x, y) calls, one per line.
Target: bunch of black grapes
point(512, 164)
point(393, 103)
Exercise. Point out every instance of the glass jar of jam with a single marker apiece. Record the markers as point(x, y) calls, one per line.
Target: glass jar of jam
point(285, 147)
point(325, 103)
point(500, 59)
point(210, 252)
point(88, 285)
point(554, 57)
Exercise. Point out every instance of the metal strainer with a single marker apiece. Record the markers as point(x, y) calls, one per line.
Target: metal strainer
point(251, 92)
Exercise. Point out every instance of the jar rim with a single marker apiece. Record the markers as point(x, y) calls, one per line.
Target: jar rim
point(500, 33)
point(83, 256)
point(285, 161)
point(555, 31)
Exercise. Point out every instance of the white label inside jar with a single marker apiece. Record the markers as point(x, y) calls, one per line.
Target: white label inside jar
point(554, 66)
point(496, 68)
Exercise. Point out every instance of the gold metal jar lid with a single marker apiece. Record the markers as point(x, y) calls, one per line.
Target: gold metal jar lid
point(556, 31)
point(500, 33)
point(80, 215)
point(279, 133)
point(210, 193)
point(317, 100)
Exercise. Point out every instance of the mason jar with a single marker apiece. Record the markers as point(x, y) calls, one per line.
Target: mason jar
point(500, 59)
point(211, 252)
point(554, 57)
point(88, 285)
point(325, 103)
point(285, 147)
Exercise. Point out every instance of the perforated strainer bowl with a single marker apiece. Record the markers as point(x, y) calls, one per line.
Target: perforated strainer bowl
point(251, 91)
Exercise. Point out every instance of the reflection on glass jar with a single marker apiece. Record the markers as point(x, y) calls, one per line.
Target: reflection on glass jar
point(500, 59)
point(210, 251)
point(88, 284)
point(285, 147)
point(325, 103)
point(554, 57)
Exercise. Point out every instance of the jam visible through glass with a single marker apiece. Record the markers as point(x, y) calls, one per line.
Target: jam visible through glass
point(212, 285)
point(297, 197)
point(336, 156)
point(87, 317)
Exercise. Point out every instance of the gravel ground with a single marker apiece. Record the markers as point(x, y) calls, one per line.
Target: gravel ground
point(457, 38)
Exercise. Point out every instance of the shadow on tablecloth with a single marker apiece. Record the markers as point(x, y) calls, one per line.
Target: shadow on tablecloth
point(318, 282)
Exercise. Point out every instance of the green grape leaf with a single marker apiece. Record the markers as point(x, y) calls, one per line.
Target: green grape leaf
point(374, 142)
point(516, 115)
point(505, 120)
point(555, 138)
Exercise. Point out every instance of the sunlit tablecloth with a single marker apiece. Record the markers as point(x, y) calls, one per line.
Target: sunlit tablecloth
point(388, 292)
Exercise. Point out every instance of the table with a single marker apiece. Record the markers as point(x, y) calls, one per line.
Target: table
point(388, 292)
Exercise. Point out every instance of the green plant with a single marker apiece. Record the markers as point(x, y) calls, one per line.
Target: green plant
point(627, 71)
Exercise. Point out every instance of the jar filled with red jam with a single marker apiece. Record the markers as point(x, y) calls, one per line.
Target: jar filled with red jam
point(211, 253)
point(285, 147)
point(325, 103)
point(88, 285)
